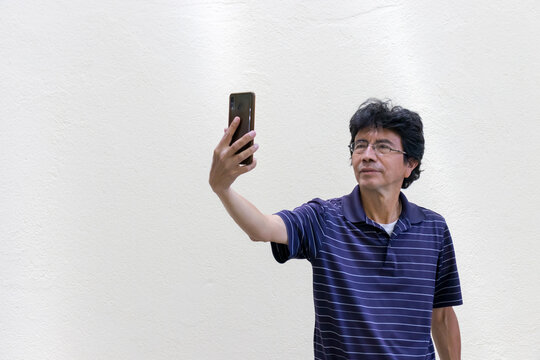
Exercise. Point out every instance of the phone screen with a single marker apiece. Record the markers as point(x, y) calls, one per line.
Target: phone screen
point(243, 106)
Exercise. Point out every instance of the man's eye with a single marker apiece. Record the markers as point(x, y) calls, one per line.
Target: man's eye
point(360, 146)
point(383, 147)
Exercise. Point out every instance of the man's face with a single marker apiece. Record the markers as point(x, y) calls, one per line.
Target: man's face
point(380, 172)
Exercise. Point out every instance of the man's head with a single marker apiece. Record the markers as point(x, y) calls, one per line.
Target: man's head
point(376, 116)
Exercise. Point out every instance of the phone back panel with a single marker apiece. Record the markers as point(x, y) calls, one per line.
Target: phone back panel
point(243, 106)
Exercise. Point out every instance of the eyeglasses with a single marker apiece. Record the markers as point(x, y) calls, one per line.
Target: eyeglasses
point(360, 146)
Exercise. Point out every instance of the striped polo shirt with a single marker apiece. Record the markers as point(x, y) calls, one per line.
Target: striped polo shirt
point(373, 292)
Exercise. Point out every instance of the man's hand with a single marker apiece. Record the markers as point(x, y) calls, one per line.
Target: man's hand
point(226, 163)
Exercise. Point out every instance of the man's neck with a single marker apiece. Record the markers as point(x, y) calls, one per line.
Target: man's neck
point(381, 207)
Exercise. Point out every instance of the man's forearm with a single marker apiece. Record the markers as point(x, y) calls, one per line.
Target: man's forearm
point(225, 169)
point(258, 226)
point(445, 329)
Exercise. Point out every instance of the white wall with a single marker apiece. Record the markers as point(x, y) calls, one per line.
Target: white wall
point(113, 245)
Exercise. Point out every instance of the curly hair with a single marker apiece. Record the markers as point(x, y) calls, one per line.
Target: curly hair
point(378, 114)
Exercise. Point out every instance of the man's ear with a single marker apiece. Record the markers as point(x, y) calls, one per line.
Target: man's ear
point(411, 165)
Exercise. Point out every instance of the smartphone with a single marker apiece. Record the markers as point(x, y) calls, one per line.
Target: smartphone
point(243, 106)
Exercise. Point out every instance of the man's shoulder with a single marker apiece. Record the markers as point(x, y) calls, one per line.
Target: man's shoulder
point(335, 204)
point(331, 208)
point(430, 215)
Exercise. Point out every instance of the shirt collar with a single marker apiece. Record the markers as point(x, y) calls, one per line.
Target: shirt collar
point(353, 210)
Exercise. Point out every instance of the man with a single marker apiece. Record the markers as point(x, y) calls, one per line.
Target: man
point(384, 271)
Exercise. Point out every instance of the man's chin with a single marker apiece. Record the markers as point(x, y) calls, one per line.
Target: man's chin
point(368, 185)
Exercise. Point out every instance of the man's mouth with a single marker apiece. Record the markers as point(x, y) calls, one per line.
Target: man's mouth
point(368, 170)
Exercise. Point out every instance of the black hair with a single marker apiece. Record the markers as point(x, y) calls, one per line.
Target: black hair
point(378, 114)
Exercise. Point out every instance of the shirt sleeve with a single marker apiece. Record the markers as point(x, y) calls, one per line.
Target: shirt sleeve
point(305, 232)
point(447, 286)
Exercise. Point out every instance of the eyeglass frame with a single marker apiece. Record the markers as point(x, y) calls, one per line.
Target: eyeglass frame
point(351, 147)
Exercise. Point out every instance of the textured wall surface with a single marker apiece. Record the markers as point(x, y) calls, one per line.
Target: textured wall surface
point(112, 245)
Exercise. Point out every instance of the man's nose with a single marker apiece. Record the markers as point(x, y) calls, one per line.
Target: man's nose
point(369, 154)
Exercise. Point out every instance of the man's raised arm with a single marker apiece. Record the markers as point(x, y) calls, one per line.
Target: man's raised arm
point(224, 171)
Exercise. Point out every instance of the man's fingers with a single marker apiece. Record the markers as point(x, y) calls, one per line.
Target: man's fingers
point(244, 169)
point(246, 153)
point(240, 143)
point(229, 132)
